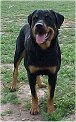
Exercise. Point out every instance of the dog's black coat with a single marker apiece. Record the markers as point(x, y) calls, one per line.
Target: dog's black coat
point(34, 54)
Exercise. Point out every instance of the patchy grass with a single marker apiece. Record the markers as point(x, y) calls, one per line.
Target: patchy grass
point(9, 112)
point(14, 16)
point(27, 106)
point(9, 97)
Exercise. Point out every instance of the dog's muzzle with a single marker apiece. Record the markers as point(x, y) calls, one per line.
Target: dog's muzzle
point(42, 32)
point(40, 27)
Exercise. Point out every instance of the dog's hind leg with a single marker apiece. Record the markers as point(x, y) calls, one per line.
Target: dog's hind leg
point(19, 54)
point(17, 60)
point(40, 83)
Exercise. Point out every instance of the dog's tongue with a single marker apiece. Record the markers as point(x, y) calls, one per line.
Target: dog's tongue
point(40, 38)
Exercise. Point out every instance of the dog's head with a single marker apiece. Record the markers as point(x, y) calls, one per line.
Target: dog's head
point(44, 25)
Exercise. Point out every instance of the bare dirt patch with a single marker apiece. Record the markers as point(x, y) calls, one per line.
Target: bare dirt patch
point(68, 24)
point(18, 112)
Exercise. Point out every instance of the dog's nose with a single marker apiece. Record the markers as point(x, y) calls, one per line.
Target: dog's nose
point(39, 25)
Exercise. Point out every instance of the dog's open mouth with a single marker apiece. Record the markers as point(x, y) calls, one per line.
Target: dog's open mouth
point(41, 38)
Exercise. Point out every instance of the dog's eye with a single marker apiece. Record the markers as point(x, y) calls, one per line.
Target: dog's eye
point(47, 16)
point(35, 17)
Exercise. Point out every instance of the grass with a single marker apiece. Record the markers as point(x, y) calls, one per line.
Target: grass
point(14, 16)
point(9, 112)
point(8, 97)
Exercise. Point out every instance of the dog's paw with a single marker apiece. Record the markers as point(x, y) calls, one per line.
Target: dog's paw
point(13, 87)
point(34, 110)
point(50, 107)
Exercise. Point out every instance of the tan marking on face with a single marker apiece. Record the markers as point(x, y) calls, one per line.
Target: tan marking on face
point(33, 31)
point(47, 43)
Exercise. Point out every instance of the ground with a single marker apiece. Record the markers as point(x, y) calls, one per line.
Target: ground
point(13, 112)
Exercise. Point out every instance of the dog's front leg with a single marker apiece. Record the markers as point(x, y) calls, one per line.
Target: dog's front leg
point(52, 82)
point(32, 82)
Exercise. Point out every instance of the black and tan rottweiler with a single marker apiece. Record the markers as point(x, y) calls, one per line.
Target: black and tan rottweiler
point(38, 44)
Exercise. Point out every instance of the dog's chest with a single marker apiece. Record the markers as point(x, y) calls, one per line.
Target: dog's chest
point(42, 58)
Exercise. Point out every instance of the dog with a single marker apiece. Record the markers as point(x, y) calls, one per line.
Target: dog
point(38, 44)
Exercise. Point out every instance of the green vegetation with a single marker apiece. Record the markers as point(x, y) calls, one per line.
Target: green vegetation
point(6, 112)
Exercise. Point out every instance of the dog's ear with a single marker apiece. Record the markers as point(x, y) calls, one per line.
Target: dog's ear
point(59, 18)
point(30, 18)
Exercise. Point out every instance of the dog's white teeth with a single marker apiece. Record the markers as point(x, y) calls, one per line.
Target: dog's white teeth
point(46, 34)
